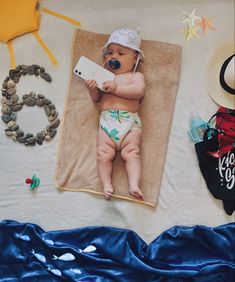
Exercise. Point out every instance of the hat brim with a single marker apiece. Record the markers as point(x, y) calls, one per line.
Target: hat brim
point(212, 80)
point(105, 50)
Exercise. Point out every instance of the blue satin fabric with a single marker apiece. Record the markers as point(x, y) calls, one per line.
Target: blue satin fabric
point(100, 254)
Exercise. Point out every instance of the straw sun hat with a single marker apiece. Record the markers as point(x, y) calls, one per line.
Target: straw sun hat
point(220, 81)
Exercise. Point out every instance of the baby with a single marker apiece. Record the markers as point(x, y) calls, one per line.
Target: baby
point(120, 125)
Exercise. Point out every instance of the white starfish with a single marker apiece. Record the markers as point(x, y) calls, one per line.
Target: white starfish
point(191, 18)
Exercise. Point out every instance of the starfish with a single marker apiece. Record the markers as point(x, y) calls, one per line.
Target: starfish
point(191, 32)
point(191, 18)
point(206, 24)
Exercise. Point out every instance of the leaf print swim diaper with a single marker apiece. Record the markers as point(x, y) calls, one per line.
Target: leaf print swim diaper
point(117, 124)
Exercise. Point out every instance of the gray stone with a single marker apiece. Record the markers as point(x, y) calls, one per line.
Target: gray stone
point(11, 123)
point(47, 110)
point(9, 102)
point(47, 138)
point(46, 101)
point(17, 107)
point(17, 74)
point(8, 129)
point(15, 98)
point(30, 70)
point(36, 67)
point(29, 144)
point(3, 100)
point(15, 127)
point(11, 74)
point(32, 94)
point(21, 139)
point(29, 135)
point(25, 96)
point(31, 140)
point(30, 102)
point(36, 72)
point(18, 68)
point(11, 84)
point(13, 138)
point(53, 112)
point(46, 76)
point(41, 135)
point(41, 96)
point(4, 110)
point(6, 118)
point(23, 67)
point(39, 141)
point(55, 123)
point(11, 91)
point(13, 116)
point(8, 133)
point(4, 93)
point(52, 106)
point(20, 133)
point(52, 118)
point(53, 133)
point(39, 102)
point(16, 79)
point(4, 85)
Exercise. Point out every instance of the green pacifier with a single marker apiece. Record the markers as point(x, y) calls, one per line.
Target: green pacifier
point(34, 182)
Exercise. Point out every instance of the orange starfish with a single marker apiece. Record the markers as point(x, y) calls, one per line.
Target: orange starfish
point(206, 24)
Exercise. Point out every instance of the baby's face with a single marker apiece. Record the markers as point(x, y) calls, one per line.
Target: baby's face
point(125, 56)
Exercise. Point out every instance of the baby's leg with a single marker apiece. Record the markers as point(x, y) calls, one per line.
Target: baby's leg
point(130, 153)
point(106, 151)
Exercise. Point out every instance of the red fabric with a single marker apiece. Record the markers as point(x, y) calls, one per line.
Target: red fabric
point(225, 123)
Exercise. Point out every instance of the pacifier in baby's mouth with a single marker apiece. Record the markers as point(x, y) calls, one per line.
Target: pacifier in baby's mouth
point(114, 64)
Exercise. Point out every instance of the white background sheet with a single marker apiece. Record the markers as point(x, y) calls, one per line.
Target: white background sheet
point(184, 198)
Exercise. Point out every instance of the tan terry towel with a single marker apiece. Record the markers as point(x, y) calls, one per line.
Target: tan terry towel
point(76, 161)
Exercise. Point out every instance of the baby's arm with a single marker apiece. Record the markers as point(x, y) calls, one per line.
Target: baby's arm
point(93, 90)
point(135, 90)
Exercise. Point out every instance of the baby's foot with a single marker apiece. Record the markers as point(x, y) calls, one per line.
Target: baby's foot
point(108, 191)
point(136, 192)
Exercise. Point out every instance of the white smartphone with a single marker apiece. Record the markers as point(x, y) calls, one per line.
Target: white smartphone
point(87, 69)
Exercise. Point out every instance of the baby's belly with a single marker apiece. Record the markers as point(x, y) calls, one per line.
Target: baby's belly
point(113, 102)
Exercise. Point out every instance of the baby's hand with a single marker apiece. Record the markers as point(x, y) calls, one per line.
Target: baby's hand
point(110, 86)
point(91, 84)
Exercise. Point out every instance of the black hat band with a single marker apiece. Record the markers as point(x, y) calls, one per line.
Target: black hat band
point(223, 83)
